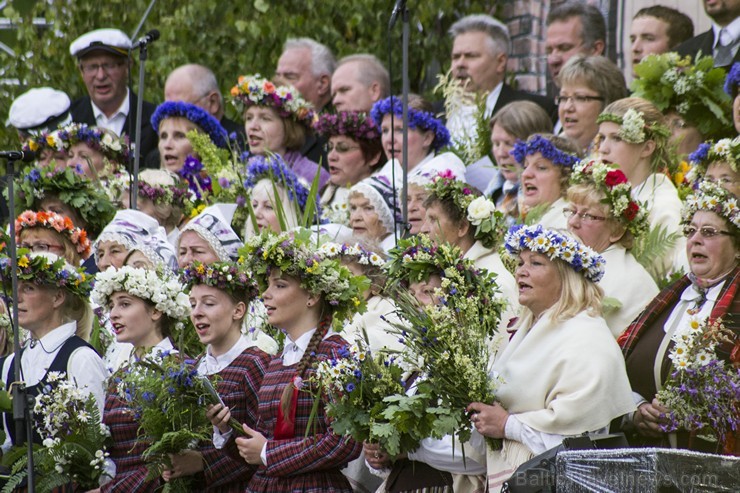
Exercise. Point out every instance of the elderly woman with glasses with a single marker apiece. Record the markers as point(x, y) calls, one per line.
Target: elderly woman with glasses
point(709, 293)
point(51, 232)
point(603, 215)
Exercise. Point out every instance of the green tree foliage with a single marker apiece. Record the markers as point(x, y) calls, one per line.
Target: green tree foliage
point(232, 38)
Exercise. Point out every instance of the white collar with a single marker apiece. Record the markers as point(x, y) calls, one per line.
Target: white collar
point(163, 346)
point(691, 293)
point(733, 28)
point(57, 336)
point(492, 98)
point(122, 110)
point(299, 345)
point(211, 364)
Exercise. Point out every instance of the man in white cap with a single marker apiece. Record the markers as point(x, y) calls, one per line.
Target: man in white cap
point(104, 63)
point(41, 109)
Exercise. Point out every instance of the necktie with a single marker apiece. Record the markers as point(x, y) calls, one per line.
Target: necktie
point(723, 51)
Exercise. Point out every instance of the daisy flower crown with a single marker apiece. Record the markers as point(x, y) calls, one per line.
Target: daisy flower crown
point(226, 276)
point(273, 168)
point(613, 183)
point(73, 188)
point(356, 251)
point(420, 120)
point(724, 150)
point(196, 115)
point(163, 187)
point(53, 140)
point(713, 198)
point(47, 269)
point(159, 287)
point(114, 148)
point(297, 254)
point(632, 126)
point(556, 246)
point(549, 151)
point(61, 224)
point(354, 124)
point(251, 90)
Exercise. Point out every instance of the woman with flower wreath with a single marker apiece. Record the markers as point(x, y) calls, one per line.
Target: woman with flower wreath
point(172, 120)
point(562, 353)
point(717, 162)
point(711, 224)
point(547, 161)
point(457, 214)
point(374, 211)
point(276, 121)
point(162, 196)
point(51, 232)
point(689, 93)
point(427, 136)
point(277, 213)
point(53, 307)
point(604, 217)
point(219, 296)
point(354, 153)
point(144, 307)
point(293, 448)
point(66, 192)
point(50, 147)
point(633, 136)
point(98, 152)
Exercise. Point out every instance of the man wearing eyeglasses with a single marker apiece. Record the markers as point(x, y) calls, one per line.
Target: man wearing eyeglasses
point(104, 63)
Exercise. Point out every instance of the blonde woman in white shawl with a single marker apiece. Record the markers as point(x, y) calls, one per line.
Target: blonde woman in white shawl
point(562, 353)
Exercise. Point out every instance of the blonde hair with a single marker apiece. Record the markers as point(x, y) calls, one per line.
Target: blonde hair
point(78, 310)
point(70, 254)
point(166, 214)
point(290, 208)
point(591, 196)
point(663, 156)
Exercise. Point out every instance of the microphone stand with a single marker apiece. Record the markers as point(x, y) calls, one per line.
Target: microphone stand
point(21, 400)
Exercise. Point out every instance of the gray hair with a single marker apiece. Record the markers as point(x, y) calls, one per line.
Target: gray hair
point(593, 25)
point(322, 59)
point(370, 70)
point(494, 28)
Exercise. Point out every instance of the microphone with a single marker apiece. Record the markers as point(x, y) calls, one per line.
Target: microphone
point(149, 37)
point(397, 9)
point(25, 156)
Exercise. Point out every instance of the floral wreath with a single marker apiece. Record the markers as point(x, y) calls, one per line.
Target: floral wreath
point(713, 198)
point(273, 167)
point(422, 120)
point(115, 149)
point(690, 87)
point(48, 269)
point(254, 89)
point(613, 183)
point(354, 124)
point(72, 187)
point(549, 151)
point(733, 80)
point(362, 255)
point(556, 246)
point(632, 126)
point(296, 253)
point(162, 191)
point(159, 287)
point(724, 150)
point(194, 114)
point(61, 224)
point(226, 276)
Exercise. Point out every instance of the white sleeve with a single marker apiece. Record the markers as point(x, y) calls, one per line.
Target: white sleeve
point(87, 370)
point(536, 441)
point(440, 454)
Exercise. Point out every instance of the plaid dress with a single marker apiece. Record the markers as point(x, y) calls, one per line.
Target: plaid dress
point(238, 388)
point(310, 465)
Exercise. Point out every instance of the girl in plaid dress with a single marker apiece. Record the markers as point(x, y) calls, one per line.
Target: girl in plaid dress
point(219, 294)
point(291, 449)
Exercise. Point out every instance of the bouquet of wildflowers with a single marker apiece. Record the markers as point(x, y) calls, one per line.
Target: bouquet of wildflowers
point(168, 400)
point(356, 384)
point(703, 391)
point(73, 447)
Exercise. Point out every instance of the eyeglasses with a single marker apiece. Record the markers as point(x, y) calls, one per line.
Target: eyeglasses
point(340, 147)
point(704, 232)
point(585, 216)
point(577, 99)
point(40, 247)
point(92, 68)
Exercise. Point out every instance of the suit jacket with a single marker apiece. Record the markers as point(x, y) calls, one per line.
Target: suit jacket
point(704, 42)
point(82, 112)
point(509, 94)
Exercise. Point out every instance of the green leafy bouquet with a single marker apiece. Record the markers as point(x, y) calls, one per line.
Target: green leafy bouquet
point(73, 440)
point(168, 399)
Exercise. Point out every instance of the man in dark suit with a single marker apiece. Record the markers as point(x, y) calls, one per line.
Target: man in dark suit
point(104, 63)
point(723, 39)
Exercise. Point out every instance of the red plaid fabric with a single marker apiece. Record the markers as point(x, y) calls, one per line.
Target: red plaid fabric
point(309, 465)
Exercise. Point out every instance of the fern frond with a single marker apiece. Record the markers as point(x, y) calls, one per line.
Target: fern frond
point(650, 249)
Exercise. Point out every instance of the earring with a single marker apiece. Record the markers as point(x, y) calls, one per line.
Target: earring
point(309, 304)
